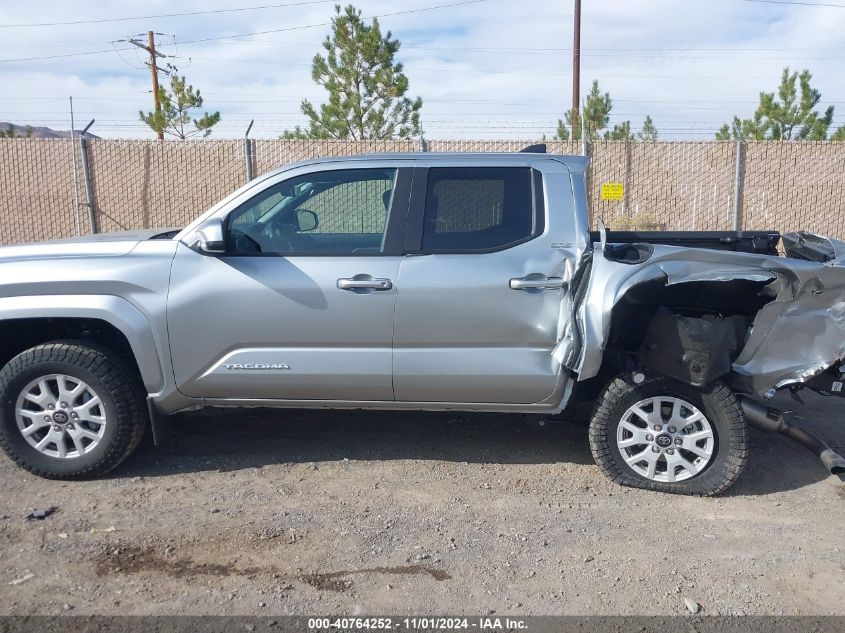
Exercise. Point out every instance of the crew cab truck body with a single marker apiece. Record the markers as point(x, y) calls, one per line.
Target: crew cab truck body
point(418, 282)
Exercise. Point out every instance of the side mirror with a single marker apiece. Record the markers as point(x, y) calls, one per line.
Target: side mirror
point(209, 238)
point(306, 220)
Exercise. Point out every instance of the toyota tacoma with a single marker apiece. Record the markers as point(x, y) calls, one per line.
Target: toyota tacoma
point(422, 282)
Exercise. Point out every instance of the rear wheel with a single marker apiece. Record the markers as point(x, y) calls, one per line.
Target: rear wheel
point(69, 410)
point(665, 435)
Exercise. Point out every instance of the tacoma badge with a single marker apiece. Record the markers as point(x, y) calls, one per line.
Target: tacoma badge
point(237, 366)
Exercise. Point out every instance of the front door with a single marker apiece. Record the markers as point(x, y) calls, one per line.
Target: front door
point(300, 307)
point(479, 308)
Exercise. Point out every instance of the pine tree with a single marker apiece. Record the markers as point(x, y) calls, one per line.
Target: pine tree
point(366, 86)
point(620, 132)
point(648, 131)
point(175, 115)
point(596, 116)
point(789, 115)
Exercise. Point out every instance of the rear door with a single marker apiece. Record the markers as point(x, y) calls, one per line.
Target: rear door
point(482, 284)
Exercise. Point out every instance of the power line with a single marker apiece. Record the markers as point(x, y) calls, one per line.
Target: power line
point(46, 57)
point(644, 103)
point(278, 124)
point(308, 26)
point(222, 97)
point(454, 117)
point(610, 52)
point(239, 35)
point(635, 48)
point(800, 4)
point(264, 118)
point(618, 118)
point(741, 49)
point(43, 44)
point(116, 50)
point(455, 50)
point(478, 71)
point(166, 15)
point(656, 54)
point(556, 52)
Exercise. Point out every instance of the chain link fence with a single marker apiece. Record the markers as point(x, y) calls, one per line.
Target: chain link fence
point(791, 185)
point(679, 186)
point(684, 185)
point(37, 197)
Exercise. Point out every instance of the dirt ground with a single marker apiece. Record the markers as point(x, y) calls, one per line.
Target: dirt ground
point(273, 513)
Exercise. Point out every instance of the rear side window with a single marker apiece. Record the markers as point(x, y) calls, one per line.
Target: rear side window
point(480, 209)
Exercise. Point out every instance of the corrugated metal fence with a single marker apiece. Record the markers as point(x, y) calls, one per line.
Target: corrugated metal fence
point(668, 185)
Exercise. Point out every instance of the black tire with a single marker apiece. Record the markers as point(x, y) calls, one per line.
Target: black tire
point(716, 402)
point(118, 386)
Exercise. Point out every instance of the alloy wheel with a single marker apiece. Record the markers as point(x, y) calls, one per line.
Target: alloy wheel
point(666, 439)
point(60, 416)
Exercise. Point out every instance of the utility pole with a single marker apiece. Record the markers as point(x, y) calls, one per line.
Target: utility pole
point(151, 49)
point(576, 65)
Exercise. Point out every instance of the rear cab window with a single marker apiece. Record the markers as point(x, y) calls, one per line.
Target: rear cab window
point(481, 209)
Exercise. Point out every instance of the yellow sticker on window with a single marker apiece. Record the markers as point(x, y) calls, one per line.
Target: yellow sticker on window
point(612, 191)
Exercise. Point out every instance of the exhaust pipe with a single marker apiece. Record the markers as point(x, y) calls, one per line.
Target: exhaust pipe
point(769, 419)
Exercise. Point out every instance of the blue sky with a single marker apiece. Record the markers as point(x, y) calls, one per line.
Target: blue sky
point(485, 69)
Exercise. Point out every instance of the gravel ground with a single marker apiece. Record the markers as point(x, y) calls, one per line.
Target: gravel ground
point(277, 512)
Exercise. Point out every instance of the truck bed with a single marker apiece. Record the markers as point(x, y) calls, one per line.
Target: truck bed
point(760, 242)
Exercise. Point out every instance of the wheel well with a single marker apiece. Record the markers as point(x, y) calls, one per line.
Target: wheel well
point(634, 312)
point(18, 335)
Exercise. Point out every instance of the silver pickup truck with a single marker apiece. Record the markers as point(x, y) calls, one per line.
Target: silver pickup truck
point(421, 282)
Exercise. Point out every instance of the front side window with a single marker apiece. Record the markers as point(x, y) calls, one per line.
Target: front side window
point(477, 209)
point(327, 212)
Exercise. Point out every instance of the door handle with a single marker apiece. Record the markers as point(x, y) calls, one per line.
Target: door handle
point(537, 282)
point(369, 283)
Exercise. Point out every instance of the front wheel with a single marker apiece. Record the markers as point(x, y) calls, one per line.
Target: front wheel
point(668, 436)
point(69, 410)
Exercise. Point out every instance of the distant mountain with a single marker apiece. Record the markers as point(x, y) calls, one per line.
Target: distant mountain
point(33, 131)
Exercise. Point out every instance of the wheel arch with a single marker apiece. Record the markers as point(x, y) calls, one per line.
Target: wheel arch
point(107, 320)
point(671, 281)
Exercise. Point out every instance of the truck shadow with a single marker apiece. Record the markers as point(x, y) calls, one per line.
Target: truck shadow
point(240, 439)
point(232, 440)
